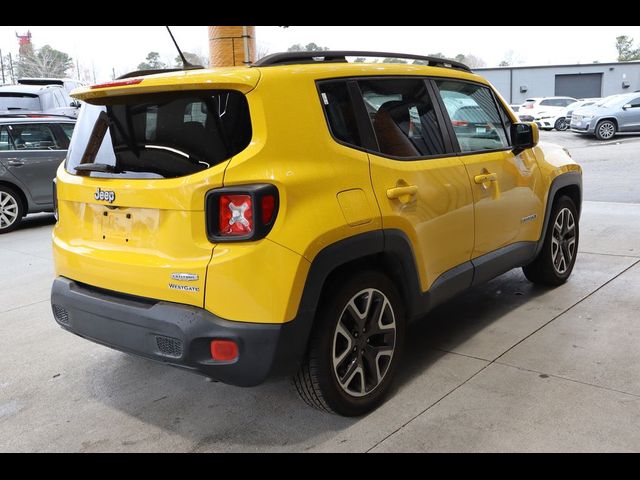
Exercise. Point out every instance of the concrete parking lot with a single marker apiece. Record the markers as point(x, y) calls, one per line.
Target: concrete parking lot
point(506, 367)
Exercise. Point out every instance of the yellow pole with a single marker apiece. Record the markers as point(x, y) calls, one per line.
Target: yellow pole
point(231, 46)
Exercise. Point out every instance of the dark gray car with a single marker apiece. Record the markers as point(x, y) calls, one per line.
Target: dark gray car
point(45, 99)
point(31, 149)
point(618, 113)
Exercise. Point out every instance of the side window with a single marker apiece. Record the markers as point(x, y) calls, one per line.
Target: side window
point(403, 117)
point(34, 137)
point(195, 112)
point(58, 98)
point(67, 128)
point(548, 103)
point(339, 111)
point(635, 102)
point(474, 116)
point(5, 139)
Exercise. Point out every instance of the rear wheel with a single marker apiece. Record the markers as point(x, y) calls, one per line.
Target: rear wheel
point(561, 124)
point(355, 346)
point(11, 209)
point(555, 262)
point(605, 130)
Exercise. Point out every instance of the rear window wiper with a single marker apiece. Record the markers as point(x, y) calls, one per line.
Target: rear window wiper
point(97, 167)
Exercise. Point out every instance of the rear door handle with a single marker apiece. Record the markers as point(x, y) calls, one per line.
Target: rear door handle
point(400, 192)
point(15, 163)
point(485, 177)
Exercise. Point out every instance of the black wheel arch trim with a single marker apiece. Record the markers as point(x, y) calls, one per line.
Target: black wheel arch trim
point(568, 179)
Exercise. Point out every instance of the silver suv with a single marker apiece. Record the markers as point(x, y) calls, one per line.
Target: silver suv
point(618, 113)
point(31, 149)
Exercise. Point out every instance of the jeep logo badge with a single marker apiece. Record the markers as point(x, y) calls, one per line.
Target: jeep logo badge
point(105, 195)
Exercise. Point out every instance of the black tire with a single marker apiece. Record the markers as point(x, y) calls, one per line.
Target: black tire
point(543, 270)
point(317, 380)
point(605, 130)
point(561, 124)
point(11, 209)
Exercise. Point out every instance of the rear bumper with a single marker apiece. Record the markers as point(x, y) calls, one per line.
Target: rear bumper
point(176, 334)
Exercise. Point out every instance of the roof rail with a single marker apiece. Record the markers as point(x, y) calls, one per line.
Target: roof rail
point(144, 73)
point(292, 58)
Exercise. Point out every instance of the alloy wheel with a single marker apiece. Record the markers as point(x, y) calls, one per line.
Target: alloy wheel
point(563, 241)
point(606, 130)
point(8, 210)
point(364, 342)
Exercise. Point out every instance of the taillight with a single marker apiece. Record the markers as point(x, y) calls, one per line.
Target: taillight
point(459, 123)
point(236, 215)
point(528, 105)
point(243, 213)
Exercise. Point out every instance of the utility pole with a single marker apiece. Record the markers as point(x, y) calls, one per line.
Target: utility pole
point(113, 73)
point(78, 67)
point(2, 66)
point(93, 66)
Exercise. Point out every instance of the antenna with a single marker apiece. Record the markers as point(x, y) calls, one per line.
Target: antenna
point(186, 65)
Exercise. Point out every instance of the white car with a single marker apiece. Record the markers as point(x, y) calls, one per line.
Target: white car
point(549, 107)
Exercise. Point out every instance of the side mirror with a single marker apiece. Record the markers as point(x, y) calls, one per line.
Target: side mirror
point(626, 105)
point(524, 135)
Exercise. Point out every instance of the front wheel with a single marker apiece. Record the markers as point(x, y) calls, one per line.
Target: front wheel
point(605, 130)
point(555, 262)
point(561, 124)
point(355, 346)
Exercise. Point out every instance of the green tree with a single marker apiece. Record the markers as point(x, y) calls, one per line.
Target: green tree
point(437, 55)
point(309, 47)
point(152, 62)
point(504, 63)
point(394, 60)
point(44, 62)
point(626, 52)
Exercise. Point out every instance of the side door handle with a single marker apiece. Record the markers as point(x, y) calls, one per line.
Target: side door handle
point(485, 177)
point(403, 193)
point(15, 163)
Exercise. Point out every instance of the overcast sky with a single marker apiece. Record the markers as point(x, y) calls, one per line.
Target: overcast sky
point(123, 48)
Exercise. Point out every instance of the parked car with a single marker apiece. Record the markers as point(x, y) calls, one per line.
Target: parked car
point(37, 99)
point(68, 84)
point(31, 149)
point(242, 245)
point(618, 113)
point(585, 102)
point(552, 106)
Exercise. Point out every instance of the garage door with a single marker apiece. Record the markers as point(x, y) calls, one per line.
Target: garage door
point(579, 85)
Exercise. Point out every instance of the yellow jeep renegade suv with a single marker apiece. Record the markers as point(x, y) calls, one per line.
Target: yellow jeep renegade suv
point(293, 216)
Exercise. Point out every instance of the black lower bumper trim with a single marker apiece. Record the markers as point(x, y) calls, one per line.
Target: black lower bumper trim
point(179, 335)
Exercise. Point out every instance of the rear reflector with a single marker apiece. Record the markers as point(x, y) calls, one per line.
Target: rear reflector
point(119, 83)
point(224, 350)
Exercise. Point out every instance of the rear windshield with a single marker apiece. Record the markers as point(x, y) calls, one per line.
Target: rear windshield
point(19, 101)
point(163, 135)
